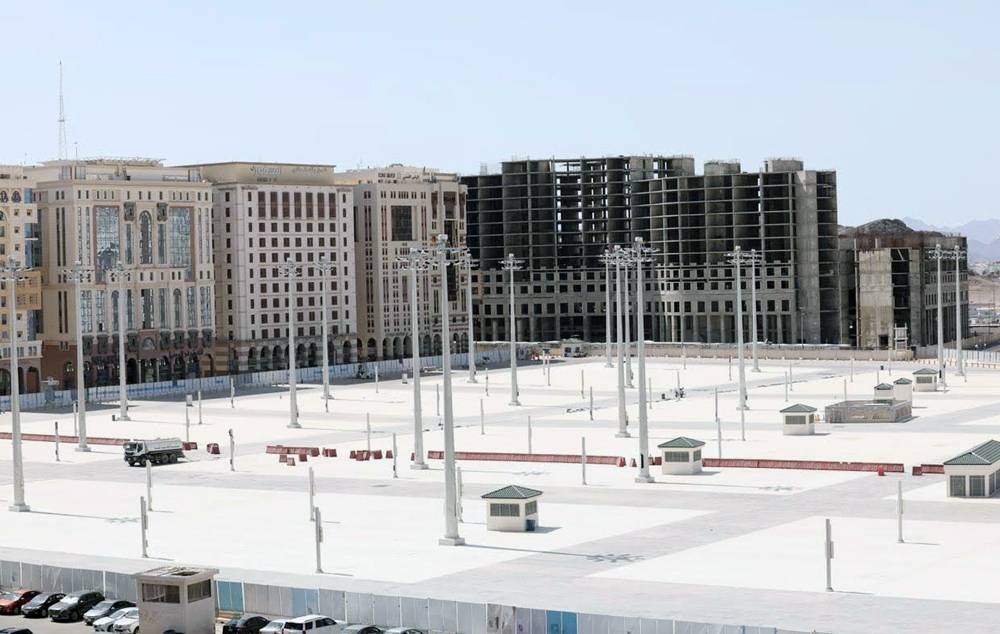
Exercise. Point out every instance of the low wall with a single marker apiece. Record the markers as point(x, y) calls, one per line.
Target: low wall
point(815, 465)
point(529, 457)
point(791, 352)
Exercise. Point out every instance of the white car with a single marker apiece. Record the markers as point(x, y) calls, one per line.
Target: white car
point(128, 624)
point(274, 627)
point(104, 624)
point(312, 624)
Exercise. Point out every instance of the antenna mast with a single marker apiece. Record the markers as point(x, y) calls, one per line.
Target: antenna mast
point(62, 118)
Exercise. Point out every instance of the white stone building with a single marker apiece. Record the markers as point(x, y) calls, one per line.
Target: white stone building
point(975, 473)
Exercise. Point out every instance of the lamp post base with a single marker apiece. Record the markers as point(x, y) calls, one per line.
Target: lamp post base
point(419, 466)
point(451, 541)
point(19, 508)
point(623, 434)
point(645, 479)
point(83, 448)
point(515, 403)
point(472, 380)
point(294, 426)
point(126, 418)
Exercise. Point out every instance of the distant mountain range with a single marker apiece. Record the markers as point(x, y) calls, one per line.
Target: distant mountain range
point(983, 236)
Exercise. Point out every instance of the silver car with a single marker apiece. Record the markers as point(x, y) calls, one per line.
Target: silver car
point(106, 623)
point(274, 627)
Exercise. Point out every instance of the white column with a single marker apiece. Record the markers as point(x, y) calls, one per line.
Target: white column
point(451, 536)
point(293, 408)
point(324, 266)
point(959, 366)
point(622, 413)
point(81, 385)
point(122, 327)
point(418, 425)
point(11, 272)
point(607, 309)
point(640, 329)
point(940, 317)
point(511, 266)
point(753, 307)
point(468, 318)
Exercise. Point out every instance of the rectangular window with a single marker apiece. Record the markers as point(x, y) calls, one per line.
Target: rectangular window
point(977, 486)
point(191, 308)
point(795, 420)
point(164, 323)
point(675, 456)
point(180, 236)
point(200, 591)
point(146, 305)
point(505, 510)
point(206, 306)
point(697, 455)
point(87, 311)
point(100, 297)
point(531, 508)
point(156, 593)
point(402, 222)
point(956, 486)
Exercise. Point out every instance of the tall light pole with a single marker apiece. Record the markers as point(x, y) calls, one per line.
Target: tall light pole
point(451, 536)
point(326, 267)
point(78, 275)
point(291, 271)
point(937, 254)
point(626, 263)
point(416, 261)
point(738, 258)
point(11, 272)
point(511, 264)
point(118, 272)
point(469, 263)
point(607, 306)
point(617, 256)
point(754, 259)
point(641, 254)
point(959, 365)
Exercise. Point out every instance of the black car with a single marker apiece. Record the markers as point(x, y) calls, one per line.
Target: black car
point(38, 607)
point(105, 608)
point(15, 630)
point(73, 606)
point(244, 624)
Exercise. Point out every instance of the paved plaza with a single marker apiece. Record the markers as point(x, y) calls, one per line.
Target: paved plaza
point(730, 545)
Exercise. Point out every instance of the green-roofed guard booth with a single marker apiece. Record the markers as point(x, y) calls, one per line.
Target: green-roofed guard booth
point(512, 509)
point(925, 380)
point(902, 389)
point(798, 420)
point(681, 456)
point(974, 473)
point(883, 392)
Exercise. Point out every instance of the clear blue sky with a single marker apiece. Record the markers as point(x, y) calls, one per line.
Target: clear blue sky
point(901, 98)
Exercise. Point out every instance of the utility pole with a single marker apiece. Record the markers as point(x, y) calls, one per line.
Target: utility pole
point(737, 258)
point(416, 261)
point(639, 255)
point(118, 272)
point(291, 272)
point(607, 306)
point(754, 260)
point(618, 257)
point(470, 263)
point(511, 264)
point(11, 272)
point(326, 267)
point(938, 255)
point(80, 275)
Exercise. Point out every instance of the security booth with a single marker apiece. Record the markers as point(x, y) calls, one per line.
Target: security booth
point(883, 392)
point(975, 473)
point(512, 509)
point(681, 456)
point(798, 420)
point(902, 390)
point(926, 380)
point(176, 598)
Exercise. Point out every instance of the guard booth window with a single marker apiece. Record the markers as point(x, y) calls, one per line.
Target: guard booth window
point(957, 486)
point(977, 486)
point(157, 593)
point(505, 510)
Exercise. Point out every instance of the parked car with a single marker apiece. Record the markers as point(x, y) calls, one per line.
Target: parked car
point(11, 601)
point(313, 623)
point(74, 605)
point(105, 608)
point(273, 627)
point(362, 629)
point(105, 624)
point(128, 624)
point(244, 624)
point(15, 630)
point(38, 607)
point(404, 630)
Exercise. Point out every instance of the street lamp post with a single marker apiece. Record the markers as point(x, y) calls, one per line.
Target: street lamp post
point(291, 271)
point(326, 267)
point(416, 261)
point(451, 536)
point(78, 275)
point(10, 273)
point(959, 365)
point(511, 264)
point(937, 254)
point(737, 258)
point(607, 307)
point(617, 257)
point(469, 262)
point(626, 263)
point(754, 258)
point(642, 254)
point(119, 272)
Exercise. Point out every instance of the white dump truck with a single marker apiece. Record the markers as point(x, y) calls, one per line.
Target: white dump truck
point(156, 451)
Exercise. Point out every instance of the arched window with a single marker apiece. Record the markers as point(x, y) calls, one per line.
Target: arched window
point(145, 238)
point(178, 324)
point(15, 196)
point(3, 196)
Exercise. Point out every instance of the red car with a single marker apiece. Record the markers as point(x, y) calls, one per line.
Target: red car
point(11, 602)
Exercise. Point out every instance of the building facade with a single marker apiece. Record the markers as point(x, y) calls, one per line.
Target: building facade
point(560, 215)
point(154, 221)
point(396, 208)
point(20, 241)
point(889, 286)
point(263, 214)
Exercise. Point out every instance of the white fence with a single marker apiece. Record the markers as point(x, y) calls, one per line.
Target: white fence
point(254, 380)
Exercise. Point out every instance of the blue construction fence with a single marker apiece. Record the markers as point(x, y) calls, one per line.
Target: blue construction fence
point(388, 369)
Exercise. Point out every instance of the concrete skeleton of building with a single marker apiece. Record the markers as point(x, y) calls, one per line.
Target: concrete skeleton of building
point(264, 213)
point(559, 216)
point(156, 222)
point(889, 286)
point(397, 208)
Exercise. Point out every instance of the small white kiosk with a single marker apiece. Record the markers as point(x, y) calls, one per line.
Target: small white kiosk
point(975, 473)
point(681, 456)
point(883, 392)
point(902, 389)
point(176, 598)
point(512, 509)
point(926, 380)
point(798, 420)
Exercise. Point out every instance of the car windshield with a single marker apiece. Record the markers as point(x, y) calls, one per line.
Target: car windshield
point(38, 600)
point(7, 595)
point(103, 605)
point(120, 613)
point(276, 625)
point(70, 600)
